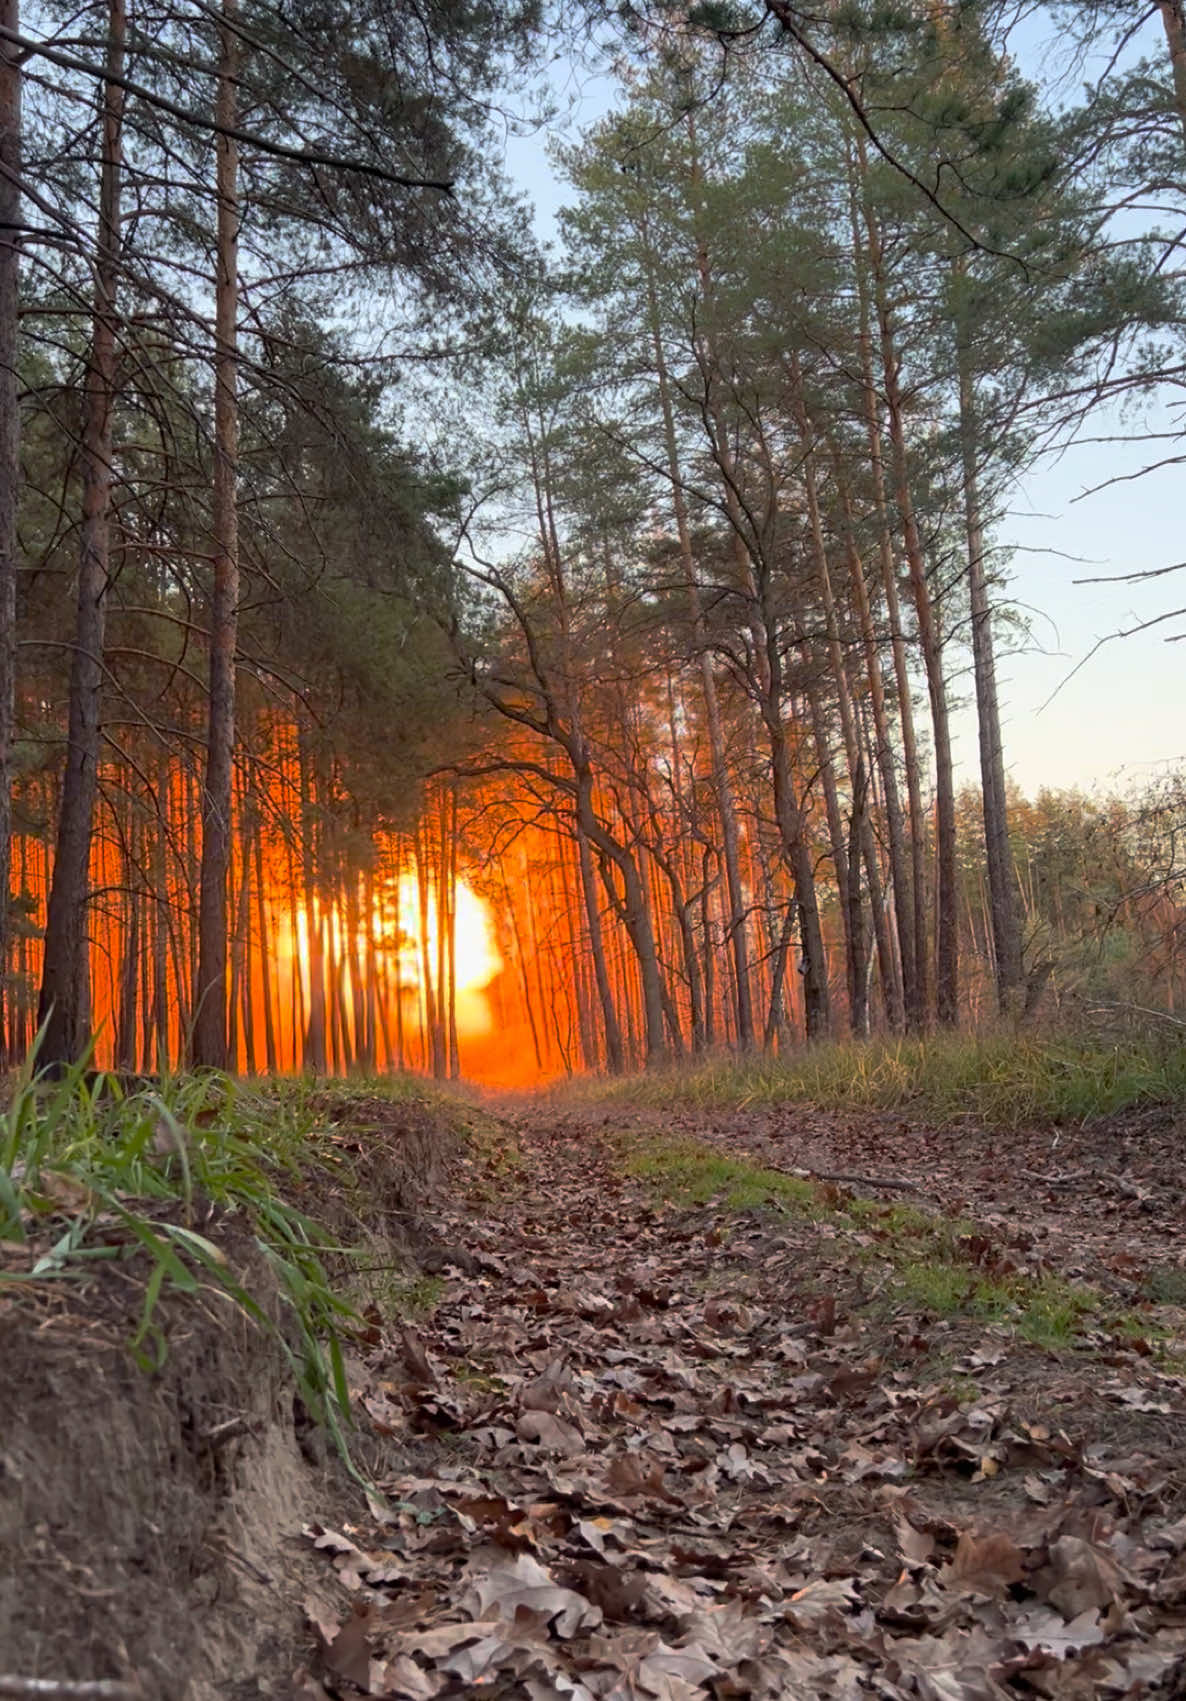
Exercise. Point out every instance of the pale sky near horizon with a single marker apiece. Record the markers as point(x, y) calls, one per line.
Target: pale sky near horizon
point(1120, 718)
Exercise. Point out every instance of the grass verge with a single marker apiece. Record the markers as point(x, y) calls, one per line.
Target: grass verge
point(91, 1171)
point(1002, 1079)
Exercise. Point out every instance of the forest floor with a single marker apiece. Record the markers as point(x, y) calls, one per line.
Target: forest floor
point(777, 1403)
point(650, 1402)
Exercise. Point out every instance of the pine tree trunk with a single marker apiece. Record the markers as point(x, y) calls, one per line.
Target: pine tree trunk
point(129, 984)
point(722, 787)
point(788, 811)
point(521, 961)
point(1002, 879)
point(893, 977)
point(454, 1043)
point(792, 828)
point(159, 882)
point(1173, 17)
point(947, 921)
point(210, 988)
point(432, 1057)
point(60, 1007)
point(861, 822)
point(912, 930)
point(10, 450)
point(268, 990)
point(314, 1048)
point(609, 1015)
point(633, 908)
point(241, 955)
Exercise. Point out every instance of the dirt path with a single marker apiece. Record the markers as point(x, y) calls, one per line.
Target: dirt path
point(652, 1449)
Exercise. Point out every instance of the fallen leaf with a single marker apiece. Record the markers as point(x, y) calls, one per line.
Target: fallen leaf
point(989, 1563)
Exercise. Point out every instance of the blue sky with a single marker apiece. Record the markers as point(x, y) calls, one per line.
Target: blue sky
point(1121, 717)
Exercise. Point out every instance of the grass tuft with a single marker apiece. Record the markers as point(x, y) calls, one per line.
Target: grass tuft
point(119, 1173)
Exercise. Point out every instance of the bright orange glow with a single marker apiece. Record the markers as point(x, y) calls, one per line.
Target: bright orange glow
point(476, 956)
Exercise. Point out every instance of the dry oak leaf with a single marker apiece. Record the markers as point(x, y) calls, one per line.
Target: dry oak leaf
point(1042, 1630)
point(807, 1606)
point(403, 1678)
point(675, 1672)
point(915, 1546)
point(411, 1350)
point(987, 1563)
point(525, 1586)
point(1080, 1576)
point(639, 1477)
point(547, 1392)
point(349, 1654)
point(957, 1666)
point(441, 1639)
point(549, 1432)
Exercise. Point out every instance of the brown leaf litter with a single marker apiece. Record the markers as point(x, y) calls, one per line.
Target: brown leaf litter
point(653, 1452)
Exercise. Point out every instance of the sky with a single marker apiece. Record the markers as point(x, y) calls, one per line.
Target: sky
point(1108, 720)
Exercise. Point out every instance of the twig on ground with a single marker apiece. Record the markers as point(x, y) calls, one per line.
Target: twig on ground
point(65, 1689)
point(219, 1434)
point(891, 1183)
point(1070, 1179)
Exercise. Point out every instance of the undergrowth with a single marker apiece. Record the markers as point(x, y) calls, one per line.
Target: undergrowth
point(117, 1172)
point(1002, 1079)
point(941, 1265)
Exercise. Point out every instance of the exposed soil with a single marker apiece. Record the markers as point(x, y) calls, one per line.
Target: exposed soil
point(147, 1520)
point(150, 1520)
point(639, 1450)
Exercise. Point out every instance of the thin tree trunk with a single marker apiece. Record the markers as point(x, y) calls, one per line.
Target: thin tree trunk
point(125, 1033)
point(159, 883)
point(265, 951)
point(521, 961)
point(61, 1006)
point(947, 927)
point(454, 1045)
point(912, 938)
point(633, 909)
point(609, 1014)
point(314, 1049)
point(432, 1057)
point(241, 958)
point(210, 991)
point(894, 976)
point(1173, 17)
point(358, 1010)
point(10, 446)
point(722, 787)
point(1002, 879)
point(858, 966)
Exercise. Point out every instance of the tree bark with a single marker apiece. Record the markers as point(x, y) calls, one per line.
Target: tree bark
point(10, 450)
point(912, 927)
point(722, 788)
point(265, 950)
point(1173, 17)
point(62, 1006)
point(614, 1060)
point(1002, 879)
point(861, 826)
point(947, 935)
point(210, 988)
